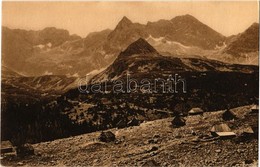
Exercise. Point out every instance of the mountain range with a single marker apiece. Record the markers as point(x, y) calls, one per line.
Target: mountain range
point(210, 86)
point(55, 51)
point(42, 108)
point(141, 60)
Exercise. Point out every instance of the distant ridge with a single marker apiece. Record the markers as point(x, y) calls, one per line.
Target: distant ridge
point(56, 51)
point(246, 42)
point(141, 59)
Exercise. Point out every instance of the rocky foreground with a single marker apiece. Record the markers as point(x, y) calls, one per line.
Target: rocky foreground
point(153, 143)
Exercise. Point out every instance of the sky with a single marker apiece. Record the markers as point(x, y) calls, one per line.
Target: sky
point(81, 18)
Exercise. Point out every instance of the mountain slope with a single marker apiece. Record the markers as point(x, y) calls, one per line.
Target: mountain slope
point(53, 51)
point(246, 42)
point(6, 72)
point(125, 33)
point(186, 30)
point(138, 145)
point(240, 49)
point(205, 84)
point(141, 58)
point(210, 85)
point(19, 46)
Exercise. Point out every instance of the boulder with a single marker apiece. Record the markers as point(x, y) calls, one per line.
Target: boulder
point(178, 121)
point(249, 161)
point(107, 136)
point(228, 115)
point(150, 163)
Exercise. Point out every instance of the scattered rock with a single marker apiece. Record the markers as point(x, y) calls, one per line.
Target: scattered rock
point(153, 141)
point(218, 151)
point(196, 147)
point(240, 151)
point(19, 163)
point(228, 115)
point(154, 148)
point(234, 164)
point(178, 121)
point(153, 153)
point(96, 160)
point(249, 161)
point(196, 140)
point(38, 153)
point(156, 136)
point(164, 164)
point(118, 141)
point(107, 136)
point(193, 133)
point(178, 136)
point(150, 163)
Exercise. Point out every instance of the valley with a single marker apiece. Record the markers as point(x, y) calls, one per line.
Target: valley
point(210, 86)
point(171, 92)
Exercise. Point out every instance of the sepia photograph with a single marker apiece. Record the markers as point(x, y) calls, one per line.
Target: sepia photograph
point(129, 83)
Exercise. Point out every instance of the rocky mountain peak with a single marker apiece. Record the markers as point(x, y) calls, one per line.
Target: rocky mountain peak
point(246, 42)
point(255, 24)
point(125, 19)
point(124, 23)
point(186, 17)
point(140, 46)
point(253, 27)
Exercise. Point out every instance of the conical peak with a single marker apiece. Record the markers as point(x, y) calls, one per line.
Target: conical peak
point(140, 46)
point(186, 17)
point(254, 28)
point(140, 41)
point(254, 25)
point(124, 22)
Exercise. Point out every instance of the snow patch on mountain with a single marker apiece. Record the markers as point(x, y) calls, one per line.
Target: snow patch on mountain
point(94, 72)
point(42, 46)
point(47, 73)
point(162, 40)
point(49, 44)
point(155, 39)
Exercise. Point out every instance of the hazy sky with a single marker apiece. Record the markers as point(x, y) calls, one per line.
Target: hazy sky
point(81, 18)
